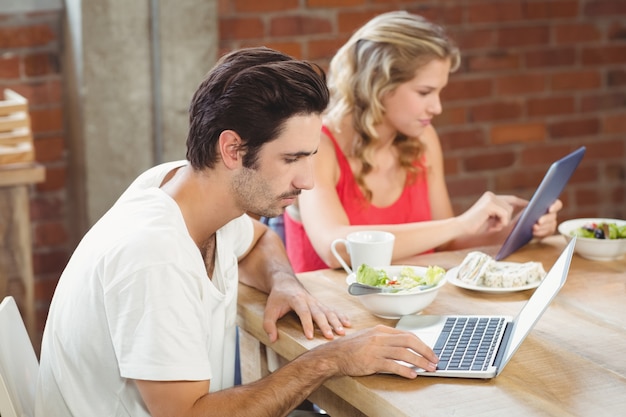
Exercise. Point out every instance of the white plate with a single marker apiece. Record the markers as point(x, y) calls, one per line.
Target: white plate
point(451, 276)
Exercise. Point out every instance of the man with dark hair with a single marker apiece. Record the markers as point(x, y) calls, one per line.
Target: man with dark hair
point(142, 322)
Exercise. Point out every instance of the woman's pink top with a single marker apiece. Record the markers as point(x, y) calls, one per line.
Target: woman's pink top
point(412, 206)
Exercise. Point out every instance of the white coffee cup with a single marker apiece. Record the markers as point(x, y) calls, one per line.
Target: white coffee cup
point(371, 247)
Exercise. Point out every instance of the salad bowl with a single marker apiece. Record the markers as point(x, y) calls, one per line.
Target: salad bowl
point(591, 242)
point(404, 289)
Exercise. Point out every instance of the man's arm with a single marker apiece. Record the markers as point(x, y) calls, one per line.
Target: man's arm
point(364, 353)
point(266, 267)
point(264, 259)
point(275, 395)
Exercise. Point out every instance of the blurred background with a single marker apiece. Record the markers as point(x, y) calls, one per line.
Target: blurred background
point(108, 83)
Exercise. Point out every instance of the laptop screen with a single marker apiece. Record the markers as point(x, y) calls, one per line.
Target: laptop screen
point(538, 302)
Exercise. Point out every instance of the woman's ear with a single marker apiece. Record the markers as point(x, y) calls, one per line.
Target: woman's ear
point(230, 147)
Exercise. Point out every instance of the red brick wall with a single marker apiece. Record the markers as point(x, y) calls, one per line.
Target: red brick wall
point(539, 78)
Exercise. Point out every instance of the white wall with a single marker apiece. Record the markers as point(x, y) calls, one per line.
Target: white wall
point(131, 89)
point(20, 6)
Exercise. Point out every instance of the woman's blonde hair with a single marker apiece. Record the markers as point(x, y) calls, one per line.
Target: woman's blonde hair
point(384, 53)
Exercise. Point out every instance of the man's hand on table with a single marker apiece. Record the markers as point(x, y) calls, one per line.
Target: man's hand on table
point(290, 295)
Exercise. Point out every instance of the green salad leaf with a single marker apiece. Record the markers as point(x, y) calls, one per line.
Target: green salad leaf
point(600, 231)
point(371, 276)
point(434, 274)
point(406, 280)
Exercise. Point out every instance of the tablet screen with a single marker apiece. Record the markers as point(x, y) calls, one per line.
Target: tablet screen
point(548, 191)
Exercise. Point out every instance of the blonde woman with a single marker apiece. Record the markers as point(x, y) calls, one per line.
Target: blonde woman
point(380, 163)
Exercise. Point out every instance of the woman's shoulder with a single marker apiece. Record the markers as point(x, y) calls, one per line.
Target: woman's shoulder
point(429, 136)
point(333, 142)
point(330, 160)
point(340, 133)
point(431, 144)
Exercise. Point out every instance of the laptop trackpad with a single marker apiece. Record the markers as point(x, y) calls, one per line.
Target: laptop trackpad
point(427, 328)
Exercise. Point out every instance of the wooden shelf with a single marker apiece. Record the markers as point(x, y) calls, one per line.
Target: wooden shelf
point(21, 174)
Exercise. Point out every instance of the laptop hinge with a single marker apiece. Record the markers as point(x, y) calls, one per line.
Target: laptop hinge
point(506, 338)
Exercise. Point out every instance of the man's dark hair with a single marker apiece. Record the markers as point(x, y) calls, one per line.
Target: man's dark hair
point(253, 92)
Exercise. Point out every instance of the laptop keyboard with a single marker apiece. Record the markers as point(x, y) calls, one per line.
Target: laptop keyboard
point(468, 343)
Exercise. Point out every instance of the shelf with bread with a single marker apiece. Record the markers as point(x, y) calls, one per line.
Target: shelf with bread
point(16, 139)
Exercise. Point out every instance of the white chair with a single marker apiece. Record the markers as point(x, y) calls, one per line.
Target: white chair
point(18, 364)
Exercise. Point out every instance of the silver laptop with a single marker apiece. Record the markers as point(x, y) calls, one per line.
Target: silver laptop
point(481, 346)
point(548, 191)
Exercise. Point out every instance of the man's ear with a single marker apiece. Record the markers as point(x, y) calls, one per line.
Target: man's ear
point(230, 147)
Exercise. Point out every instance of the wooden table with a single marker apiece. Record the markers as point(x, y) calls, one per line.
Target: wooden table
point(572, 364)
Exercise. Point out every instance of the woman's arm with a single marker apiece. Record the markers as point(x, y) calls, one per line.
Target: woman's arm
point(325, 219)
point(487, 222)
point(441, 206)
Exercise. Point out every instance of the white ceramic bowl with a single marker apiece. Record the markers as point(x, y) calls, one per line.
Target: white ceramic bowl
point(396, 305)
point(591, 248)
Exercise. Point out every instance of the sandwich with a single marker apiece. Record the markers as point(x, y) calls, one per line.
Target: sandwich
point(480, 269)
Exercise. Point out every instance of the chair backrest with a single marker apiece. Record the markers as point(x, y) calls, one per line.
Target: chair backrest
point(18, 364)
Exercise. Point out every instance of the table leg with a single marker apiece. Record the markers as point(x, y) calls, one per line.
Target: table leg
point(253, 358)
point(16, 270)
point(332, 404)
